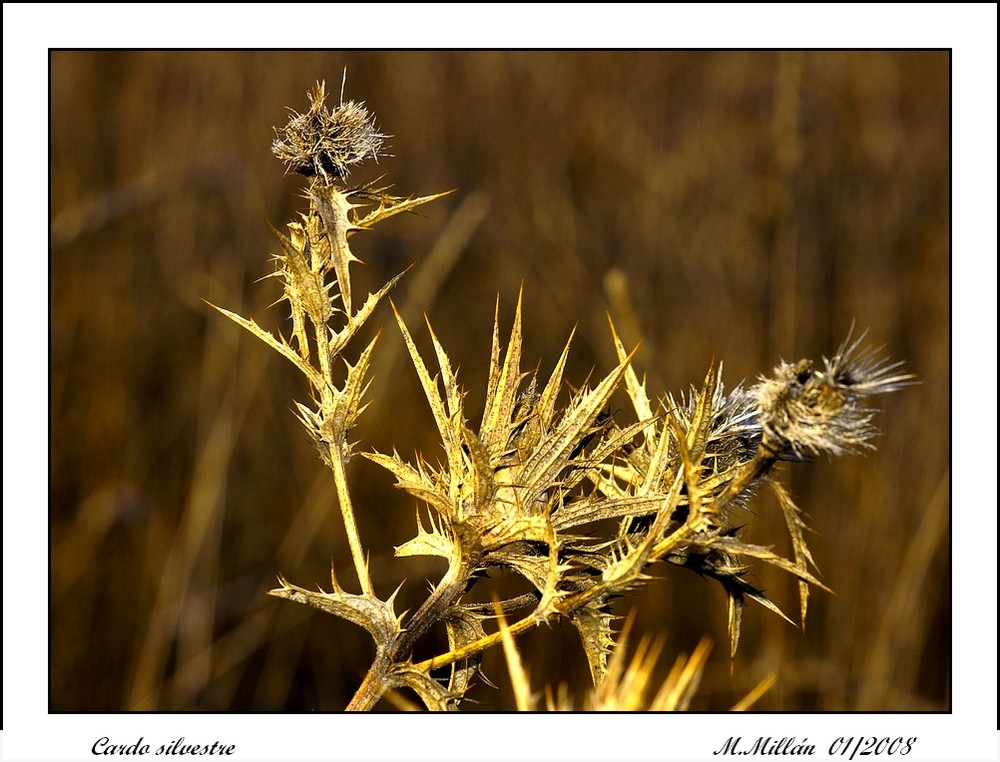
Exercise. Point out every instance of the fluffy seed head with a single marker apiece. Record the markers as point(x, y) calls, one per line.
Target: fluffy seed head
point(807, 409)
point(327, 143)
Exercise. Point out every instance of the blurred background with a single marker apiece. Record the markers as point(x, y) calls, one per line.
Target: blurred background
point(746, 206)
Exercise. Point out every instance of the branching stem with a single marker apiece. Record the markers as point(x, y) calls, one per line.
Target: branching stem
point(378, 680)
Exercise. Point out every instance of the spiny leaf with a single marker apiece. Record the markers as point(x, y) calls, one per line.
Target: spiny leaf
point(699, 519)
point(602, 451)
point(593, 623)
point(700, 424)
point(501, 396)
point(339, 339)
point(491, 387)
point(738, 589)
point(659, 463)
point(586, 511)
point(479, 474)
point(302, 285)
point(390, 206)
point(737, 547)
point(445, 424)
point(522, 558)
point(628, 570)
point(413, 481)
point(554, 452)
point(367, 611)
point(453, 398)
point(547, 400)
point(295, 304)
point(803, 558)
point(313, 423)
point(636, 390)
point(432, 542)
point(551, 593)
point(735, 609)
point(314, 376)
point(333, 207)
point(511, 527)
point(311, 236)
point(463, 627)
point(348, 400)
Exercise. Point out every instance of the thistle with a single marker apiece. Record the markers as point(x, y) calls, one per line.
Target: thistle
point(808, 409)
point(327, 143)
point(313, 266)
point(548, 486)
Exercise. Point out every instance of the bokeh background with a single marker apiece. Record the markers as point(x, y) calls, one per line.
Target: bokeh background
point(746, 206)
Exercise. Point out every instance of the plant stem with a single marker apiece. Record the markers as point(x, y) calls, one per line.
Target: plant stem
point(378, 680)
point(350, 525)
point(477, 646)
point(375, 684)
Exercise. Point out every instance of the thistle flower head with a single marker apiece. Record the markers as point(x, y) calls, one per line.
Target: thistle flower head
point(327, 143)
point(804, 408)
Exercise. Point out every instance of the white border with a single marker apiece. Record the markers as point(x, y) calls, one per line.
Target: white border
point(29, 30)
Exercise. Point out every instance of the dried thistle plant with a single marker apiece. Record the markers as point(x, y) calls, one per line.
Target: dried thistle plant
point(327, 143)
point(556, 491)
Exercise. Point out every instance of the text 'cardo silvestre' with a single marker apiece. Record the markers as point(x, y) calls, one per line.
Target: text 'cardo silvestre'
point(177, 747)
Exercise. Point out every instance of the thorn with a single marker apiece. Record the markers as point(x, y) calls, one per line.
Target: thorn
point(392, 597)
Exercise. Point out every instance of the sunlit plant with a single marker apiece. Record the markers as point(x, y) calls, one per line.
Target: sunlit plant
point(548, 485)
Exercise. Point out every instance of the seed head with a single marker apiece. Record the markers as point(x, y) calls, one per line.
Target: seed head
point(807, 409)
point(327, 143)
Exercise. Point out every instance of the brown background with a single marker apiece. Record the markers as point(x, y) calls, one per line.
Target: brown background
point(744, 206)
